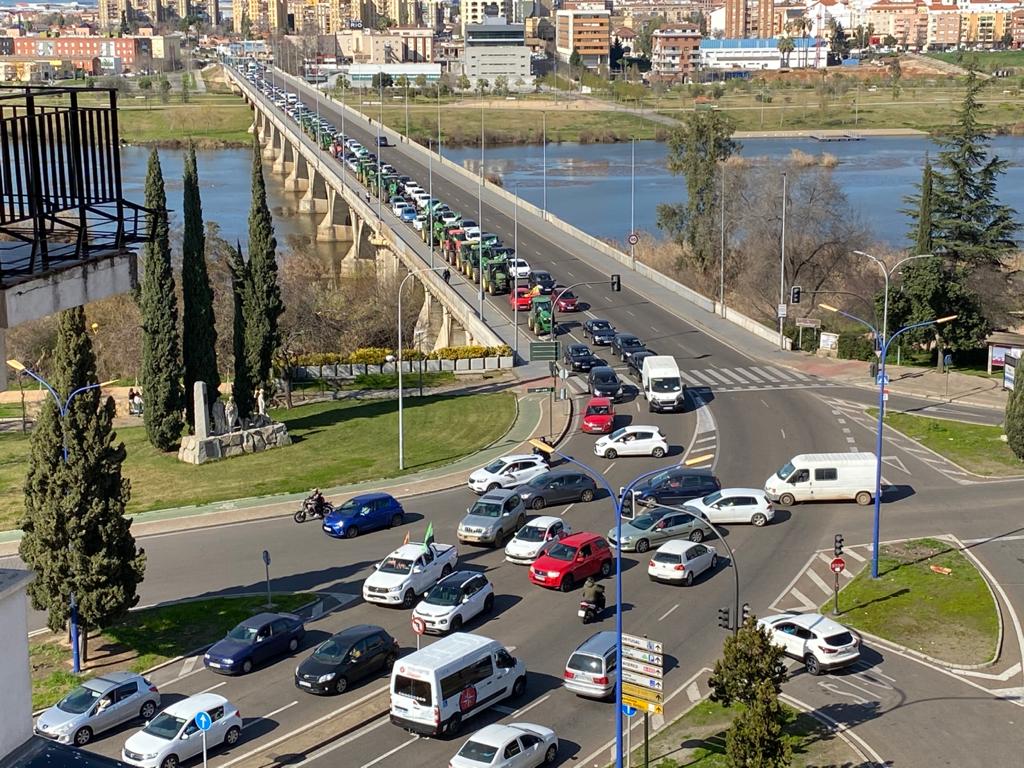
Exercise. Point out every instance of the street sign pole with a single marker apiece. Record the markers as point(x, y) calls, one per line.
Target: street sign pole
point(204, 749)
point(837, 566)
point(647, 739)
point(266, 565)
point(835, 594)
point(203, 723)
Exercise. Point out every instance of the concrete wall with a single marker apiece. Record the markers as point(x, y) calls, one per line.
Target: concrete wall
point(16, 688)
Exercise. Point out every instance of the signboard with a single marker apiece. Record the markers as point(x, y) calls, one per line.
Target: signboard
point(644, 669)
point(882, 380)
point(628, 711)
point(838, 565)
point(544, 350)
point(534, 390)
point(644, 694)
point(1011, 363)
point(418, 626)
point(643, 662)
point(999, 355)
point(633, 238)
point(652, 683)
point(203, 721)
point(828, 340)
point(645, 706)
point(808, 322)
point(644, 656)
point(783, 310)
point(644, 644)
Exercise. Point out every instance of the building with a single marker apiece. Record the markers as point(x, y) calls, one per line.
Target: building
point(985, 22)
point(16, 724)
point(473, 11)
point(399, 45)
point(496, 49)
point(207, 10)
point(675, 53)
point(116, 54)
point(1017, 27)
point(749, 18)
point(361, 75)
point(136, 11)
point(585, 31)
point(904, 20)
point(263, 15)
point(324, 17)
point(943, 26)
point(751, 54)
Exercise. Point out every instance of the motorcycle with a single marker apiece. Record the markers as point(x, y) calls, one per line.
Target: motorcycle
point(590, 611)
point(309, 509)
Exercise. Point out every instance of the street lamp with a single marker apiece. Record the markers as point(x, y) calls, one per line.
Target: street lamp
point(480, 224)
point(885, 343)
point(514, 276)
point(632, 200)
point(887, 273)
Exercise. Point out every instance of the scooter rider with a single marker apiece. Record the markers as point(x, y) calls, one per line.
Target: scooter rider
point(593, 593)
point(318, 501)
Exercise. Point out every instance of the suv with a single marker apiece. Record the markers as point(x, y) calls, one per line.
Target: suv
point(572, 560)
point(493, 519)
point(625, 344)
point(565, 486)
point(822, 644)
point(599, 331)
point(590, 670)
point(543, 280)
point(453, 601)
point(674, 486)
point(578, 357)
point(506, 472)
point(172, 737)
point(98, 705)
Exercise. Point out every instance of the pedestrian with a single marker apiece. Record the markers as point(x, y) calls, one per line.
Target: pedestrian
point(137, 402)
point(131, 401)
point(447, 275)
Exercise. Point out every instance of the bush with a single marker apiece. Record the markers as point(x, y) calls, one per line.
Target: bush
point(369, 356)
point(1014, 422)
point(856, 346)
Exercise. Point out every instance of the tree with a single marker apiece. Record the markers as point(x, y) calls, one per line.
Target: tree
point(1007, 39)
point(922, 236)
point(421, 81)
point(75, 535)
point(889, 41)
point(755, 738)
point(786, 47)
point(696, 149)
point(501, 85)
point(482, 85)
point(749, 659)
point(1014, 421)
point(164, 89)
point(243, 387)
point(382, 80)
point(838, 44)
point(185, 88)
point(124, 28)
point(246, 25)
point(575, 60)
point(463, 83)
point(161, 356)
point(198, 328)
point(644, 41)
point(402, 81)
point(616, 55)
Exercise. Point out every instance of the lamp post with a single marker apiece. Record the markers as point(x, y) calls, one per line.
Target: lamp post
point(430, 194)
point(544, 163)
point(480, 225)
point(886, 342)
point(514, 276)
point(782, 268)
point(887, 273)
point(632, 200)
point(721, 252)
point(380, 151)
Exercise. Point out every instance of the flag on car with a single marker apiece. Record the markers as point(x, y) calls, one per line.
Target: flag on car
point(429, 538)
point(406, 540)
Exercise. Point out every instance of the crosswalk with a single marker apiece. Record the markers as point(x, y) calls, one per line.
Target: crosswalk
point(749, 378)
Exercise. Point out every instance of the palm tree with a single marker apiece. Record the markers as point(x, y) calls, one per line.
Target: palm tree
point(785, 48)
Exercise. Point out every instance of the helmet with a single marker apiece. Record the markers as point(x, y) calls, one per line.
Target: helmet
point(590, 581)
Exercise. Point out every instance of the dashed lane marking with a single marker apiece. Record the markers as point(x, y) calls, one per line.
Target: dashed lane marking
point(666, 614)
point(347, 740)
point(269, 715)
point(390, 752)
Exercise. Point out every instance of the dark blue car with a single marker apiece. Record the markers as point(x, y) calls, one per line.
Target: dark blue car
point(364, 513)
point(254, 641)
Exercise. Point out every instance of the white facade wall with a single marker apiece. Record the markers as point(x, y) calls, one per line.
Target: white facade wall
point(15, 685)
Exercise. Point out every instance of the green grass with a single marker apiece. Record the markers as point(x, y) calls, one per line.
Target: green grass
point(10, 410)
point(147, 638)
point(334, 443)
point(975, 447)
point(409, 380)
point(212, 118)
point(952, 617)
point(986, 61)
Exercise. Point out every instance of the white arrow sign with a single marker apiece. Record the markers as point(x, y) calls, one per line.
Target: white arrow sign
point(644, 669)
point(645, 682)
point(649, 658)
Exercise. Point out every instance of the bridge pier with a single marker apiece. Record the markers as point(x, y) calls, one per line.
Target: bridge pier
point(272, 139)
point(315, 199)
point(386, 260)
point(285, 159)
point(298, 179)
point(339, 222)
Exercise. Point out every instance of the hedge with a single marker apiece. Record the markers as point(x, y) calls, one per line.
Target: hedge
point(856, 346)
point(379, 355)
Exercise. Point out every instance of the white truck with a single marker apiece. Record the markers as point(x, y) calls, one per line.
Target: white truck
point(408, 572)
point(662, 385)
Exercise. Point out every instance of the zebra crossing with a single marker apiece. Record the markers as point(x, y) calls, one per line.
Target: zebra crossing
point(749, 378)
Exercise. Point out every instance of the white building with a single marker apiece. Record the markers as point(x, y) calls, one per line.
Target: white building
point(497, 49)
point(16, 724)
point(758, 53)
point(361, 75)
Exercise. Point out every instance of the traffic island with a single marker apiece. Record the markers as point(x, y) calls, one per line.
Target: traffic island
point(929, 597)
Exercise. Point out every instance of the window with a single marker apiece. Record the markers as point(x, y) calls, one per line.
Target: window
point(126, 691)
point(586, 551)
point(419, 690)
point(280, 626)
point(528, 740)
point(825, 474)
point(216, 714)
point(512, 750)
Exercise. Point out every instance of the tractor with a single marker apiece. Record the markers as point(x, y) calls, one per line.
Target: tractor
point(452, 243)
point(496, 275)
point(539, 320)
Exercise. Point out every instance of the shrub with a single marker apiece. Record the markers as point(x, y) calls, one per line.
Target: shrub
point(856, 346)
point(370, 356)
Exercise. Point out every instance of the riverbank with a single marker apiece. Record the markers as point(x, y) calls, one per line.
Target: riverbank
point(213, 121)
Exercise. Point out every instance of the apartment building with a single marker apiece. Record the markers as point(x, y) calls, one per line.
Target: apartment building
point(116, 54)
point(943, 26)
point(905, 20)
point(587, 31)
point(136, 11)
point(675, 54)
point(473, 11)
point(749, 18)
point(207, 10)
point(263, 15)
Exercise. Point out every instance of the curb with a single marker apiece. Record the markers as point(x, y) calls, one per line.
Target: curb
point(842, 730)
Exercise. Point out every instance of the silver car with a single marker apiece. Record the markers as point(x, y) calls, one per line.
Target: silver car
point(97, 705)
point(493, 519)
point(659, 525)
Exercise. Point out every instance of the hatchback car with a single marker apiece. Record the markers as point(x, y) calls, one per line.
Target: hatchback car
point(658, 525)
point(368, 512)
point(571, 561)
point(735, 505)
point(821, 643)
point(506, 472)
point(558, 487)
point(345, 658)
point(408, 214)
point(97, 705)
point(601, 332)
point(598, 416)
point(520, 298)
point(543, 280)
point(604, 382)
point(172, 737)
point(493, 519)
point(517, 745)
point(591, 668)
point(578, 357)
point(634, 440)
point(255, 641)
point(680, 562)
point(676, 485)
point(625, 344)
point(519, 268)
point(535, 538)
point(566, 301)
point(454, 601)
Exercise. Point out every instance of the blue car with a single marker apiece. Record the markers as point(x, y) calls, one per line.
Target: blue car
point(364, 513)
point(254, 641)
point(408, 214)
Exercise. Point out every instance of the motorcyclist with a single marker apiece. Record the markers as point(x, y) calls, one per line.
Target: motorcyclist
point(318, 501)
point(544, 455)
point(593, 593)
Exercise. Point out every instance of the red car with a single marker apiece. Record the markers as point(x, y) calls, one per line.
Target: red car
point(520, 296)
point(566, 301)
point(599, 416)
point(571, 561)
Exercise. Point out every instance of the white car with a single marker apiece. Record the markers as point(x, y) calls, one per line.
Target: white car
point(680, 562)
point(507, 472)
point(735, 505)
point(535, 538)
point(472, 233)
point(419, 221)
point(520, 268)
point(421, 199)
point(449, 217)
point(517, 745)
point(634, 440)
point(397, 206)
point(453, 601)
point(822, 644)
point(172, 737)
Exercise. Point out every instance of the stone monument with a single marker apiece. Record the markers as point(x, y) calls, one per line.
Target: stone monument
point(228, 437)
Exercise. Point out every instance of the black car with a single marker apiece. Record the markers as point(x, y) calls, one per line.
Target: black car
point(675, 486)
point(539, 277)
point(346, 657)
point(635, 362)
point(625, 344)
point(561, 486)
point(604, 382)
point(578, 357)
point(600, 331)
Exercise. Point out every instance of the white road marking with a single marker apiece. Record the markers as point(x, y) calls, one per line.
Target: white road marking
point(710, 438)
point(714, 376)
point(277, 711)
point(983, 540)
point(567, 508)
point(839, 692)
point(852, 553)
point(783, 433)
point(779, 374)
point(528, 707)
point(666, 613)
point(820, 582)
point(802, 598)
point(693, 692)
point(843, 731)
point(503, 709)
point(347, 740)
point(213, 687)
point(37, 632)
point(733, 375)
point(630, 313)
point(188, 665)
point(609, 468)
point(390, 752)
point(762, 373)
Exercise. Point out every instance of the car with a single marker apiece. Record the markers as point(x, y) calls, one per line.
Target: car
point(603, 381)
point(625, 344)
point(397, 203)
point(675, 486)
point(571, 561)
point(634, 440)
point(454, 601)
point(97, 705)
point(601, 332)
point(472, 230)
point(566, 301)
point(598, 416)
point(366, 512)
point(591, 669)
point(382, 141)
point(562, 486)
point(520, 299)
point(535, 538)
point(408, 214)
point(821, 643)
point(172, 737)
point(680, 562)
point(345, 658)
point(254, 641)
point(450, 217)
point(660, 524)
point(635, 362)
point(408, 571)
point(519, 268)
point(517, 745)
point(493, 519)
point(578, 357)
point(541, 279)
point(507, 472)
point(419, 222)
point(735, 505)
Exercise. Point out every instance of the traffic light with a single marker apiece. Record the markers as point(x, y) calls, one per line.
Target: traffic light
point(838, 548)
point(746, 613)
point(616, 283)
point(725, 617)
point(794, 294)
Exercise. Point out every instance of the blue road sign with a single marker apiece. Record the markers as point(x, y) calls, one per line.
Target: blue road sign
point(628, 711)
point(882, 379)
point(203, 721)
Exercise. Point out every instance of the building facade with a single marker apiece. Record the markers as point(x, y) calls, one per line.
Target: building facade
point(586, 31)
point(116, 54)
point(136, 11)
point(751, 54)
point(396, 46)
point(497, 49)
point(473, 11)
point(675, 54)
point(207, 10)
point(904, 20)
point(749, 18)
point(263, 15)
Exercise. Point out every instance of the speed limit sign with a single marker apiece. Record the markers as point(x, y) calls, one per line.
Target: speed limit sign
point(418, 626)
point(634, 238)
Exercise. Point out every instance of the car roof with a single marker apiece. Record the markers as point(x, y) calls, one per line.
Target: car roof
point(496, 734)
point(358, 632)
point(578, 539)
point(598, 643)
point(372, 496)
point(821, 625)
point(678, 546)
point(637, 427)
point(742, 491)
point(599, 401)
point(517, 457)
point(581, 347)
point(201, 702)
point(602, 369)
point(262, 618)
point(543, 521)
point(459, 578)
point(498, 494)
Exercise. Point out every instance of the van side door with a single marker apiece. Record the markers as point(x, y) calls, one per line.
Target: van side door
point(825, 485)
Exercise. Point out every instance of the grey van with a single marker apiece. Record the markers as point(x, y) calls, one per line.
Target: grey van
point(590, 670)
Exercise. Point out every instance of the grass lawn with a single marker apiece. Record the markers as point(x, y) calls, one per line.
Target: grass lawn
point(144, 639)
point(698, 739)
point(947, 617)
point(986, 61)
point(334, 443)
point(10, 410)
point(211, 117)
point(975, 447)
point(409, 380)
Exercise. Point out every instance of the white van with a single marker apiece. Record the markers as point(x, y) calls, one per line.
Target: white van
point(434, 689)
point(662, 385)
point(824, 477)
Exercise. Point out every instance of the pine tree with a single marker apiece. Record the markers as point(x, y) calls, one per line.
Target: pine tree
point(161, 359)
point(755, 738)
point(243, 387)
point(1014, 420)
point(198, 335)
point(265, 305)
point(748, 657)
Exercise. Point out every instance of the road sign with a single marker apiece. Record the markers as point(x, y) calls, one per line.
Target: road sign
point(544, 350)
point(418, 626)
point(645, 706)
point(644, 656)
point(783, 310)
point(808, 322)
point(203, 721)
point(534, 390)
point(266, 557)
point(882, 380)
point(643, 643)
point(651, 670)
point(628, 711)
point(634, 238)
point(838, 565)
point(644, 681)
point(644, 694)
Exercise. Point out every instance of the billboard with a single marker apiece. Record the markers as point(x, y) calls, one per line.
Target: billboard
point(1011, 364)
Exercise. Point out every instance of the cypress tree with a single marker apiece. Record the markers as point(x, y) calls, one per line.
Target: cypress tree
point(198, 334)
point(1013, 422)
point(755, 739)
point(265, 305)
point(243, 388)
point(161, 359)
point(925, 209)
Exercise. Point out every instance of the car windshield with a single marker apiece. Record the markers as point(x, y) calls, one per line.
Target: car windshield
point(665, 385)
point(248, 634)
point(78, 701)
point(414, 689)
point(164, 726)
point(567, 295)
point(604, 377)
point(667, 557)
point(352, 505)
point(495, 466)
point(786, 470)
point(585, 663)
point(600, 325)
point(617, 433)
point(562, 552)
point(841, 638)
point(486, 509)
point(578, 351)
point(598, 410)
point(711, 498)
point(477, 752)
point(643, 522)
point(531, 533)
point(331, 650)
point(395, 565)
point(444, 594)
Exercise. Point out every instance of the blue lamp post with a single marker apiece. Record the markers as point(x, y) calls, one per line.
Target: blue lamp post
point(884, 343)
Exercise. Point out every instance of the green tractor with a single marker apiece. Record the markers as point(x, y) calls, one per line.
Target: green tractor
point(539, 320)
point(468, 256)
point(496, 274)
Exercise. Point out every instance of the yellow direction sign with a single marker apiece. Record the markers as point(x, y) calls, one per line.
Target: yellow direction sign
point(640, 692)
point(643, 706)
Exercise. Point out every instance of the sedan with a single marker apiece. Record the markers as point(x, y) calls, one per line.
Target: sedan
point(660, 525)
point(566, 301)
point(543, 279)
point(625, 344)
point(519, 268)
point(368, 512)
point(450, 217)
point(635, 362)
point(407, 214)
point(518, 745)
point(346, 657)
point(453, 601)
point(520, 299)
point(604, 382)
point(680, 562)
point(634, 440)
point(578, 357)
point(735, 505)
point(254, 641)
point(559, 487)
point(599, 331)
